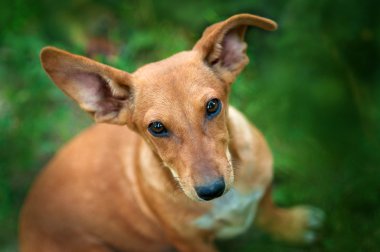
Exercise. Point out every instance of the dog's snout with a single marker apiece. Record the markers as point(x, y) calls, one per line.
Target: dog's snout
point(211, 190)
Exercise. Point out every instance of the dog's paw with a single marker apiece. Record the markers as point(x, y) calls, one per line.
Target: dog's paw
point(305, 223)
point(316, 217)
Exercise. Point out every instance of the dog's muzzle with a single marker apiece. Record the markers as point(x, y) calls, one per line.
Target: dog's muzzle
point(211, 190)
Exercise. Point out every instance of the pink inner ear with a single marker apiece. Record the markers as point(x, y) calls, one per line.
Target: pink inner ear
point(233, 49)
point(89, 88)
point(93, 92)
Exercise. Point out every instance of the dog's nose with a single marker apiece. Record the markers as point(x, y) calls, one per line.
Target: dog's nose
point(211, 190)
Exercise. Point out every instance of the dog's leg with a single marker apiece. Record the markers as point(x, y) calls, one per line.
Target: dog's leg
point(296, 224)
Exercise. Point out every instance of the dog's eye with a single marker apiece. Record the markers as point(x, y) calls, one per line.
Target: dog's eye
point(157, 129)
point(213, 108)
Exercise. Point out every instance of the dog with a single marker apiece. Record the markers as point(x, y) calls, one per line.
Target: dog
point(173, 167)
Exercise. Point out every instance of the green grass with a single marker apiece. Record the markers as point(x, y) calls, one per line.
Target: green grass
point(311, 87)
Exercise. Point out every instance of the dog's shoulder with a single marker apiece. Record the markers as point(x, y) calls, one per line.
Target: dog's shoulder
point(245, 136)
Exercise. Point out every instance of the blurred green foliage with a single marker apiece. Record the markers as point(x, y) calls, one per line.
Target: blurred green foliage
point(312, 87)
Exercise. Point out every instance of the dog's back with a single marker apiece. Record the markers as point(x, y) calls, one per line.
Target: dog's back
point(84, 194)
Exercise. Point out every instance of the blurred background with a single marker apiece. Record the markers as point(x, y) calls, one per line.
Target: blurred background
point(312, 87)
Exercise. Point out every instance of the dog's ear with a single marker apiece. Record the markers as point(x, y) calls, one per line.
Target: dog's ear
point(222, 45)
point(102, 91)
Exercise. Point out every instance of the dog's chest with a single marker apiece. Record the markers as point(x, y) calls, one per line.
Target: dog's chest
point(230, 214)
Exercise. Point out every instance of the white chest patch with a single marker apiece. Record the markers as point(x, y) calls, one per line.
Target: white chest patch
point(231, 214)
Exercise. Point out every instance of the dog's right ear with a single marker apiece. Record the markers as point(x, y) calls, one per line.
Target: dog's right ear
point(222, 45)
point(104, 92)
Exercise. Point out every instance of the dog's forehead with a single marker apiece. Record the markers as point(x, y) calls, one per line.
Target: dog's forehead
point(176, 61)
point(182, 70)
point(182, 82)
point(181, 76)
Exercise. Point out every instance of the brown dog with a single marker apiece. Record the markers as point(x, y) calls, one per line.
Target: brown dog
point(117, 189)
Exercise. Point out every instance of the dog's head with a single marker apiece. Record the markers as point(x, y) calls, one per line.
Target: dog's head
point(178, 105)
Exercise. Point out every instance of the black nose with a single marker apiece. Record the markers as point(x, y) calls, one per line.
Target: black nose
point(211, 190)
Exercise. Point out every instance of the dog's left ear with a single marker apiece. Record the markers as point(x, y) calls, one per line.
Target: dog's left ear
point(222, 45)
point(104, 92)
